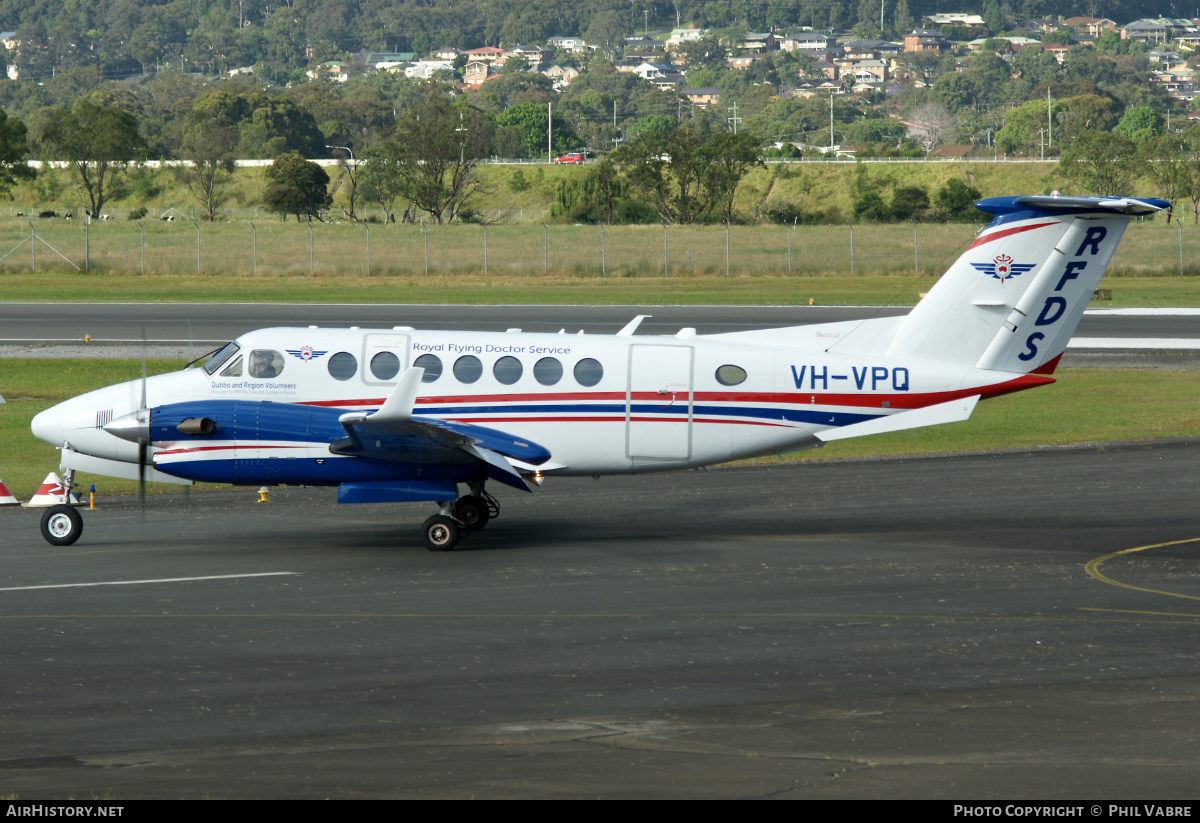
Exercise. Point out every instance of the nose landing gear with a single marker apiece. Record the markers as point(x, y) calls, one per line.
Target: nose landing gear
point(61, 524)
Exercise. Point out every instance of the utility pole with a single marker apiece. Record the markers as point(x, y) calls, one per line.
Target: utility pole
point(1049, 121)
point(831, 121)
point(735, 119)
point(550, 132)
point(646, 24)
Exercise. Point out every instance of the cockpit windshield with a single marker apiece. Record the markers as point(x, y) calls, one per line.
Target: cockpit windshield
point(220, 357)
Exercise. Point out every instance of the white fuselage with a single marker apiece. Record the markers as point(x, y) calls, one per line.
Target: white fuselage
point(600, 404)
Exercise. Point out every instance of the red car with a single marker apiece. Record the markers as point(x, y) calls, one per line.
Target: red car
point(573, 157)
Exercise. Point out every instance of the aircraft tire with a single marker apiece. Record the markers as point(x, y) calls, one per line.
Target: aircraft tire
point(61, 525)
point(440, 533)
point(472, 511)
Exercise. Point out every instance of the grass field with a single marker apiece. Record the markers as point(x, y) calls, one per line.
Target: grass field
point(1085, 406)
point(290, 262)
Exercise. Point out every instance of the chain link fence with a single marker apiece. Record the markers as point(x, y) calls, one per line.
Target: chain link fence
point(269, 247)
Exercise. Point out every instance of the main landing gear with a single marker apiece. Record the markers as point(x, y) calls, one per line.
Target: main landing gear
point(456, 520)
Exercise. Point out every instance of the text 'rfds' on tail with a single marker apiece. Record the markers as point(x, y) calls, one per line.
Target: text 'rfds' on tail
point(1012, 301)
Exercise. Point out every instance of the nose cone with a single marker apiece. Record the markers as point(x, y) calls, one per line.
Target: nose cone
point(48, 425)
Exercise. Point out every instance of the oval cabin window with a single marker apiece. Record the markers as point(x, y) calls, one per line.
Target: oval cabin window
point(731, 375)
point(432, 365)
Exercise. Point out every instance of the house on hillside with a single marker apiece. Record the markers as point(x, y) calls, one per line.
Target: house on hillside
point(810, 43)
point(571, 45)
point(702, 97)
point(1091, 25)
point(1148, 31)
point(926, 40)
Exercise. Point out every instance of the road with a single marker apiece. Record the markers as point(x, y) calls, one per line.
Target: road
point(216, 322)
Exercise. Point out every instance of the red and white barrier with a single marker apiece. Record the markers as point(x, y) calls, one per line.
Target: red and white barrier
point(50, 494)
point(6, 497)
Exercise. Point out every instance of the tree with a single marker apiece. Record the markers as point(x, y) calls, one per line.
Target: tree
point(688, 172)
point(13, 153)
point(529, 122)
point(1100, 162)
point(1162, 160)
point(1140, 124)
point(381, 181)
point(909, 202)
point(296, 186)
point(209, 146)
point(958, 199)
point(98, 142)
point(731, 156)
point(1189, 171)
point(606, 32)
point(993, 17)
point(436, 147)
point(931, 123)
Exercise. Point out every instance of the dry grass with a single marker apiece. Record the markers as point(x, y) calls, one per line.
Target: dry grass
point(272, 248)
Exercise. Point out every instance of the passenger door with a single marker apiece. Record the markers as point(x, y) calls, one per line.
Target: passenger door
point(658, 403)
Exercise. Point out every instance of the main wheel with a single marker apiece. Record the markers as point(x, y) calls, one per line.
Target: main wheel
point(61, 525)
point(440, 533)
point(472, 511)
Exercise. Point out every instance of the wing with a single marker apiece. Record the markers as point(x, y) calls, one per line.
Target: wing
point(395, 433)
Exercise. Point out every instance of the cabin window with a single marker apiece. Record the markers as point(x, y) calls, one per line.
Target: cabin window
point(265, 363)
point(547, 371)
point(343, 366)
point(385, 365)
point(468, 369)
point(234, 369)
point(432, 365)
point(220, 357)
point(731, 375)
point(508, 370)
point(588, 372)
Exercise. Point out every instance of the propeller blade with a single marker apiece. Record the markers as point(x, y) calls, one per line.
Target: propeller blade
point(141, 443)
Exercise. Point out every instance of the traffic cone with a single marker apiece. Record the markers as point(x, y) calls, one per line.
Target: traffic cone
point(50, 494)
point(6, 497)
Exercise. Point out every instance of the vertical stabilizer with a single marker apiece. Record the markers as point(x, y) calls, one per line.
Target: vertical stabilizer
point(1014, 298)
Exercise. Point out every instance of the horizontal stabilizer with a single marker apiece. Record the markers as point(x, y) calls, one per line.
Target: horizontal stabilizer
point(952, 412)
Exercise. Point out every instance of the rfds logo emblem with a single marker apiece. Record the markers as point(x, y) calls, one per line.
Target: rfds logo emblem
point(306, 353)
point(1002, 267)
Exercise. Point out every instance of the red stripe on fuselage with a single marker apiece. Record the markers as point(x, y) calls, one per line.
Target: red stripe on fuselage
point(895, 400)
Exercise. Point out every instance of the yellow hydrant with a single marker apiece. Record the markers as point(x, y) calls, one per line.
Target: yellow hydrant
point(262, 495)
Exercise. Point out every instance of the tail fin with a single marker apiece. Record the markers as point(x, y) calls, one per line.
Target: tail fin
point(1015, 297)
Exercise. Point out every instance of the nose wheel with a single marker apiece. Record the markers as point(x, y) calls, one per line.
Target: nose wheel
point(61, 525)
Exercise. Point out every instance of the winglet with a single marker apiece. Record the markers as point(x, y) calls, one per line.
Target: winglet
point(398, 407)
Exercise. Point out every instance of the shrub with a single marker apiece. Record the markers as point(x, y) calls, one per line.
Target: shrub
point(138, 213)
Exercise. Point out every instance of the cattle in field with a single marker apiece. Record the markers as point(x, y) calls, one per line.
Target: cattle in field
point(47, 214)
